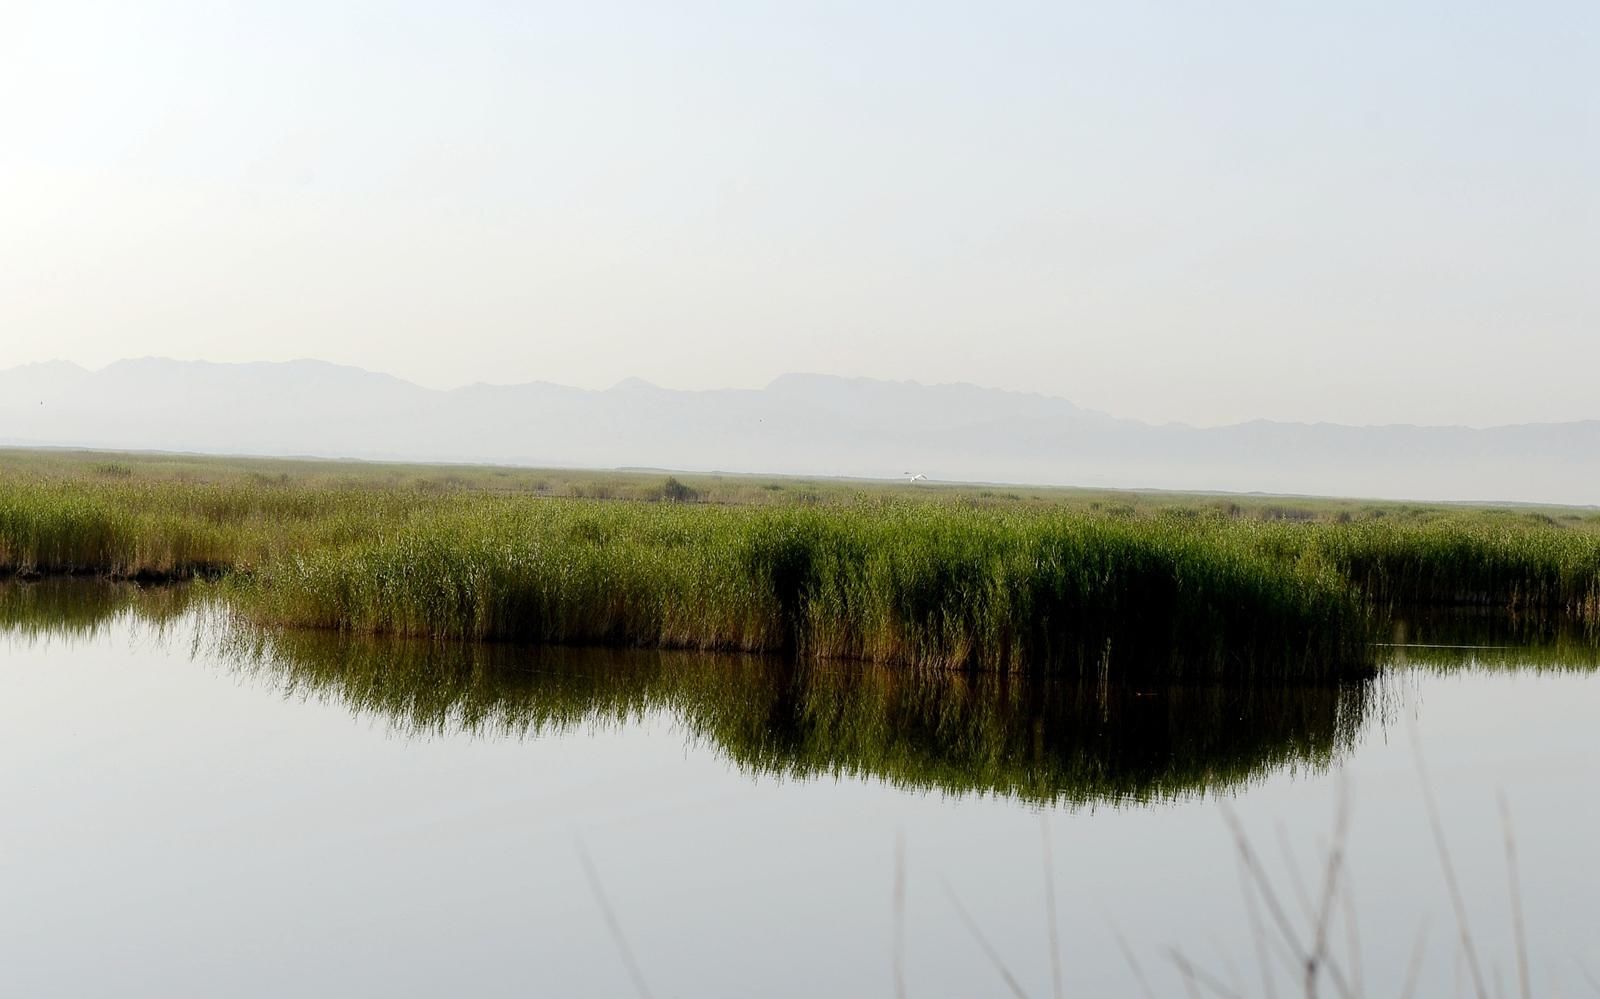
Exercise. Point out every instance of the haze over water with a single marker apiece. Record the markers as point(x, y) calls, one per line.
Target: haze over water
point(192, 811)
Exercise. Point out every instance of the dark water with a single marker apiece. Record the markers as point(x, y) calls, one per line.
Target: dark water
point(192, 809)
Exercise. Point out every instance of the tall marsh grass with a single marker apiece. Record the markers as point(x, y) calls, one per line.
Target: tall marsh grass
point(911, 585)
point(1170, 591)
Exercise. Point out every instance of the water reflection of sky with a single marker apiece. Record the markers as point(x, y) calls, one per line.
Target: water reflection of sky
point(176, 825)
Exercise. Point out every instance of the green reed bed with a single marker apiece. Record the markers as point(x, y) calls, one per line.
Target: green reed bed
point(902, 584)
point(1169, 591)
point(1485, 559)
point(178, 530)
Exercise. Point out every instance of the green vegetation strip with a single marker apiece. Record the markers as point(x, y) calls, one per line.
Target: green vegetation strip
point(1165, 589)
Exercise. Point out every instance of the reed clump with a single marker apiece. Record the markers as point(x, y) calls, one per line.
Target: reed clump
point(1491, 559)
point(911, 585)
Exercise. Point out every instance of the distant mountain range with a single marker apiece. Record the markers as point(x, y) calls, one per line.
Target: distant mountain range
point(799, 424)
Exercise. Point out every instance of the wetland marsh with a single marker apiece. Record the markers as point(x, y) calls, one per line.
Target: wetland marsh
point(936, 578)
point(273, 727)
point(217, 806)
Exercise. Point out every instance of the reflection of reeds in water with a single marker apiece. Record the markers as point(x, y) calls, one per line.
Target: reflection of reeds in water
point(1448, 640)
point(1035, 739)
point(1039, 740)
point(84, 608)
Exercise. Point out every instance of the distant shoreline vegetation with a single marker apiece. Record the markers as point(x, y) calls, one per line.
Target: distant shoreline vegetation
point(1086, 584)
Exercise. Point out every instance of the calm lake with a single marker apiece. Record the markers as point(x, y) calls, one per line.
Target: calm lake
point(189, 808)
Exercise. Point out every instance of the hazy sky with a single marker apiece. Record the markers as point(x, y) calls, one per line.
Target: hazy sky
point(1355, 211)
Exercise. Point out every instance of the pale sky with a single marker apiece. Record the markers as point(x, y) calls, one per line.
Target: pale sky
point(1358, 211)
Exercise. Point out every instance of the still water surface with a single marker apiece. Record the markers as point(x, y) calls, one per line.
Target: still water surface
point(188, 810)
